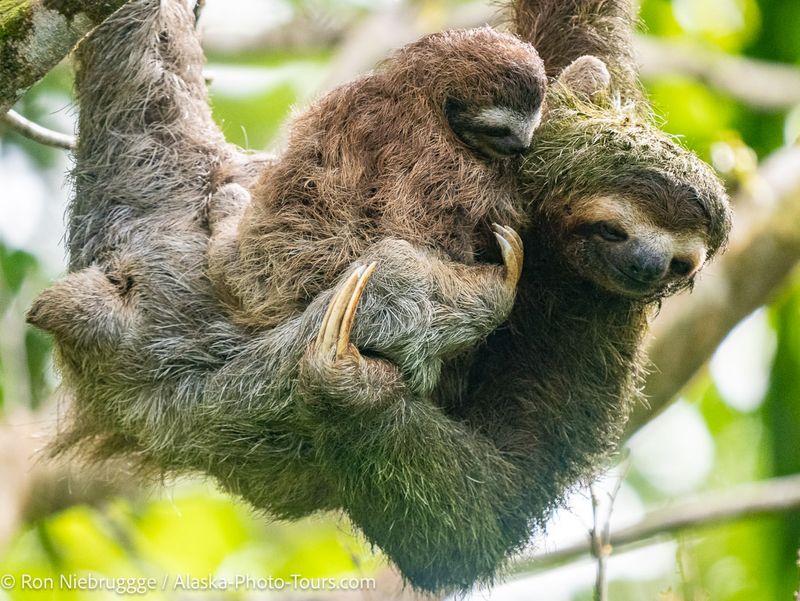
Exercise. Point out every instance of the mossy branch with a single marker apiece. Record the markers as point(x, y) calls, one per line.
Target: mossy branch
point(36, 34)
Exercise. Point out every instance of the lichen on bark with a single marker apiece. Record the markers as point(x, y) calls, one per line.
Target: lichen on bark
point(35, 36)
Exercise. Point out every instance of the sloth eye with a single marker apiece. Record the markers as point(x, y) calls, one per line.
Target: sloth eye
point(610, 232)
point(680, 267)
point(494, 131)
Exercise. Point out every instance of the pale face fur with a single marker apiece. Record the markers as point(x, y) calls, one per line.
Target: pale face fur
point(496, 132)
point(619, 246)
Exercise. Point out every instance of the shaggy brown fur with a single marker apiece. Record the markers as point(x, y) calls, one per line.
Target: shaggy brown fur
point(377, 158)
point(161, 374)
point(599, 28)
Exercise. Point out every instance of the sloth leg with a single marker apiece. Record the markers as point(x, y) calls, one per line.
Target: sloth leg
point(88, 311)
point(434, 495)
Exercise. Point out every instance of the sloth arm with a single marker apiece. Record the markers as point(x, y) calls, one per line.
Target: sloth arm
point(293, 429)
point(420, 308)
point(437, 496)
point(232, 415)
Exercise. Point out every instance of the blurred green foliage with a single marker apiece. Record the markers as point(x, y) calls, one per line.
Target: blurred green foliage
point(199, 532)
point(280, 79)
point(752, 560)
point(18, 267)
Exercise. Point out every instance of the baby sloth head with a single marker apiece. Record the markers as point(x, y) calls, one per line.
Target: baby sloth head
point(486, 87)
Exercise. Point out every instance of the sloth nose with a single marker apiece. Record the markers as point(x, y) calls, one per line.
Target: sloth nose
point(647, 263)
point(507, 145)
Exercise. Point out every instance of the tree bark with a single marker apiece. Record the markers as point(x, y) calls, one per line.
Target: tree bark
point(36, 34)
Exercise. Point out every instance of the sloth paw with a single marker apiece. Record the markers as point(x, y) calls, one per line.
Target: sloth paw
point(334, 333)
point(513, 253)
point(334, 379)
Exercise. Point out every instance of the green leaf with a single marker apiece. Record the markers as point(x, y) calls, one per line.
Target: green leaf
point(15, 266)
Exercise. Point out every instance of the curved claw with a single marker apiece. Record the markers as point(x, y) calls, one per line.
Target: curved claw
point(512, 250)
point(334, 333)
point(350, 312)
point(329, 330)
point(513, 237)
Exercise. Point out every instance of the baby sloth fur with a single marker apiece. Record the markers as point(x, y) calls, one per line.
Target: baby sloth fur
point(425, 149)
point(448, 473)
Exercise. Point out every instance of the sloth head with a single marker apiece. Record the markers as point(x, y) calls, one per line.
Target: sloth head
point(621, 203)
point(619, 242)
point(486, 87)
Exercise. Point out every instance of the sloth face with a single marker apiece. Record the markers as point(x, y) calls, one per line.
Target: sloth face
point(484, 86)
point(494, 132)
point(618, 246)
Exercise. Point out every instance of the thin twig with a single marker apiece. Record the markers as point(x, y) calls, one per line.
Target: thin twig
point(598, 549)
point(600, 535)
point(37, 133)
point(686, 572)
point(769, 496)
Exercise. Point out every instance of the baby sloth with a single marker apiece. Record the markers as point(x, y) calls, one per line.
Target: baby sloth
point(424, 149)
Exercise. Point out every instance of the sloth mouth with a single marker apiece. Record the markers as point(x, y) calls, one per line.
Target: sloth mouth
point(629, 285)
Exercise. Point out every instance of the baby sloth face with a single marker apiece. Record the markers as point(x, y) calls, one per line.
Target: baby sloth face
point(486, 87)
point(620, 245)
point(495, 132)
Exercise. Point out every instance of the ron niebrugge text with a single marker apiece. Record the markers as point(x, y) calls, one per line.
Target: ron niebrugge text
point(179, 582)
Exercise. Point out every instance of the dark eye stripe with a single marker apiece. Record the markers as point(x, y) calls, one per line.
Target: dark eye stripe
point(496, 131)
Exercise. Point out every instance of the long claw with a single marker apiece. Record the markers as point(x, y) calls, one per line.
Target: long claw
point(512, 249)
point(329, 332)
point(508, 258)
point(516, 242)
point(324, 326)
point(347, 321)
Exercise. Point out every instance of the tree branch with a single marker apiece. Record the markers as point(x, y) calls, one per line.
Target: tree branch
point(759, 84)
point(35, 36)
point(37, 133)
point(764, 249)
point(35, 487)
point(368, 42)
point(599, 545)
point(747, 500)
